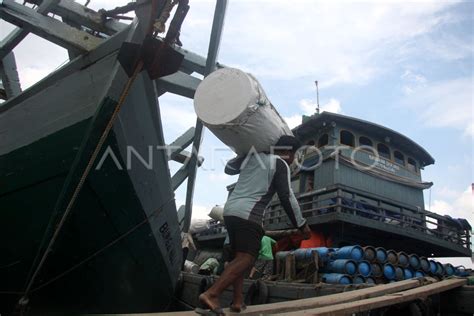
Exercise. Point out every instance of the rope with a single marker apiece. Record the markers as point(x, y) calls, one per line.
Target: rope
point(95, 153)
point(10, 264)
point(159, 24)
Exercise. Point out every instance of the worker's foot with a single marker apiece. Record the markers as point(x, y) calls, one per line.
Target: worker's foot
point(209, 312)
point(237, 308)
point(210, 302)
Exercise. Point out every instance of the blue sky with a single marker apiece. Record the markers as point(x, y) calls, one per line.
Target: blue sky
point(408, 66)
point(405, 65)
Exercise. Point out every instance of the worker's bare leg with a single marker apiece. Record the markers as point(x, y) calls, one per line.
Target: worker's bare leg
point(234, 270)
point(238, 297)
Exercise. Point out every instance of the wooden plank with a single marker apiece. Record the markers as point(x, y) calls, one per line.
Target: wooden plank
point(9, 76)
point(72, 53)
point(180, 144)
point(18, 34)
point(185, 155)
point(356, 301)
point(332, 299)
point(47, 27)
point(73, 11)
point(179, 83)
point(383, 301)
point(179, 177)
point(82, 15)
point(11, 40)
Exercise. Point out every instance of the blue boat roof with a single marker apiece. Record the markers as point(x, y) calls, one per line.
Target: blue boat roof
point(317, 121)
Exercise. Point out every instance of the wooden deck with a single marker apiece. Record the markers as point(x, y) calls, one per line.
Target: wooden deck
point(362, 300)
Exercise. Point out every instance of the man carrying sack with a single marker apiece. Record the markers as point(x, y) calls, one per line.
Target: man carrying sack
point(261, 176)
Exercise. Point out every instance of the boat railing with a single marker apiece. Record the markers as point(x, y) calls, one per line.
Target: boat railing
point(348, 201)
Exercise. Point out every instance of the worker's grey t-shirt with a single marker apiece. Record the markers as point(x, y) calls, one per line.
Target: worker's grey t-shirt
point(261, 176)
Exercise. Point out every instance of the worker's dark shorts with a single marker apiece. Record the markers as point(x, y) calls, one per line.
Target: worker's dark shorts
point(244, 235)
point(227, 254)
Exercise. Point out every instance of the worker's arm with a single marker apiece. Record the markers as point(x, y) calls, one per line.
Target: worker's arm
point(282, 183)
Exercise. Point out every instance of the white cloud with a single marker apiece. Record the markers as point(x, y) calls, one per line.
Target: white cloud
point(333, 106)
point(219, 177)
point(308, 107)
point(455, 204)
point(199, 211)
point(336, 42)
point(177, 115)
point(46, 57)
point(293, 120)
point(444, 104)
point(469, 131)
point(413, 81)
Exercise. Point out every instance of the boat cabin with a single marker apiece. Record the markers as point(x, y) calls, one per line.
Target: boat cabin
point(360, 183)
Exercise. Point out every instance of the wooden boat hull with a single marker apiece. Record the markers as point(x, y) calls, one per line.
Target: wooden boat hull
point(119, 250)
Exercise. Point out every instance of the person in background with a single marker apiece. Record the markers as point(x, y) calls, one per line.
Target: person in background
point(261, 176)
point(264, 263)
point(317, 239)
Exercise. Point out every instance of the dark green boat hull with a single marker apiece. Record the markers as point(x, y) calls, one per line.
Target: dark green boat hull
point(119, 250)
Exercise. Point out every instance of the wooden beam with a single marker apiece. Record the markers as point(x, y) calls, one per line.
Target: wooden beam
point(185, 155)
point(72, 53)
point(82, 15)
point(176, 150)
point(179, 83)
point(383, 301)
point(214, 43)
point(9, 76)
point(47, 27)
point(179, 177)
point(180, 143)
point(108, 47)
point(193, 62)
point(3, 93)
point(329, 300)
point(18, 34)
point(389, 294)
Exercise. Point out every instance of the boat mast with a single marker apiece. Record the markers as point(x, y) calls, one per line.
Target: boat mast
point(317, 97)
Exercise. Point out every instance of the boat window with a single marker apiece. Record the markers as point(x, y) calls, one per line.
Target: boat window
point(323, 140)
point(347, 138)
point(365, 141)
point(412, 165)
point(399, 158)
point(383, 150)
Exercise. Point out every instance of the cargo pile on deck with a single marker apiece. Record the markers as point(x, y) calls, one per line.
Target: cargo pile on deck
point(357, 265)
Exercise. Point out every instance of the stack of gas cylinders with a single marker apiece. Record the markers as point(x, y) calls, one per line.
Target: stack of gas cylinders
point(356, 265)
